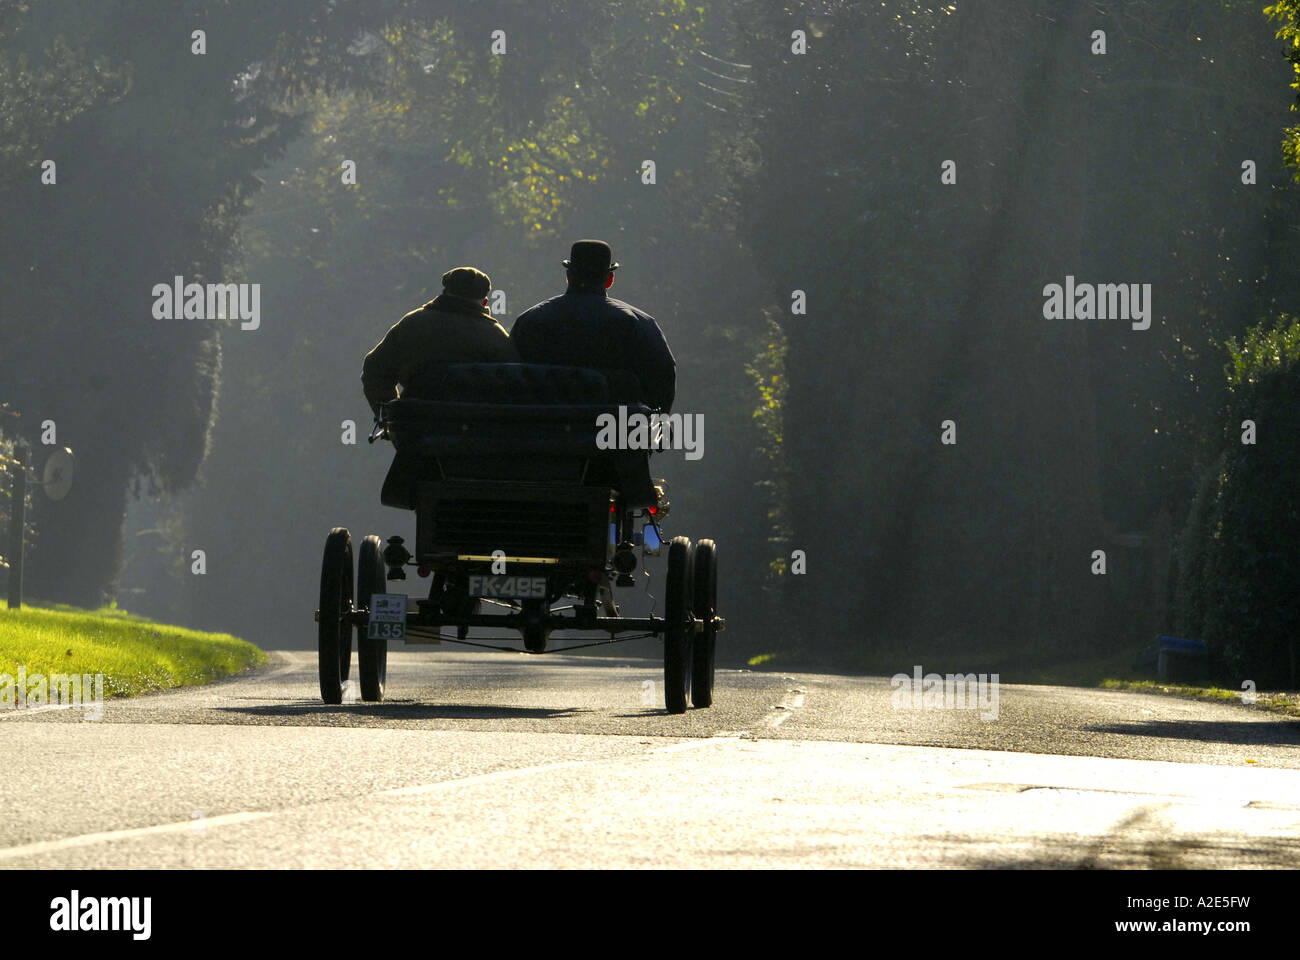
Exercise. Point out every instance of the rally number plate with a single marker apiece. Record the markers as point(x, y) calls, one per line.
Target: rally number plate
point(387, 616)
point(506, 587)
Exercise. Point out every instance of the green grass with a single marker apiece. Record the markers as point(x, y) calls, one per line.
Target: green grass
point(135, 655)
point(1280, 702)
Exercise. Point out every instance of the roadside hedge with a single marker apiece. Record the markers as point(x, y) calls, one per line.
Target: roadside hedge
point(1239, 553)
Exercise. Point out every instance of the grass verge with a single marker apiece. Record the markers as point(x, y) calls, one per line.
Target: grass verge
point(1115, 671)
point(1278, 702)
point(134, 654)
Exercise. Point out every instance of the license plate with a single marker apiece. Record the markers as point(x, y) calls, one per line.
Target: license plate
point(512, 588)
point(387, 616)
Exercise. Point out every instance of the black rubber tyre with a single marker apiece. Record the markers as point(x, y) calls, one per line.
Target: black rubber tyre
point(335, 633)
point(372, 654)
point(677, 636)
point(535, 637)
point(704, 561)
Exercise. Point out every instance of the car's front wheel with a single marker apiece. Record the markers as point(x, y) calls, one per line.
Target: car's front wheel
point(334, 632)
point(372, 652)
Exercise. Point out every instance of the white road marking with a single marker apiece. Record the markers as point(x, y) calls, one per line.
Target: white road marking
point(89, 839)
point(784, 710)
point(16, 712)
point(228, 819)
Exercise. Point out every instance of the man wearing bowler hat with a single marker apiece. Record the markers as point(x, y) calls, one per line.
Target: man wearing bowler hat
point(453, 327)
point(583, 327)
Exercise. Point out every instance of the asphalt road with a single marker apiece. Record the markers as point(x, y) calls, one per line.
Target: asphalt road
point(501, 760)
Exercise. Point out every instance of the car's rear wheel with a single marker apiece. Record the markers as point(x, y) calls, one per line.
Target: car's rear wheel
point(334, 634)
point(704, 560)
point(677, 633)
point(372, 652)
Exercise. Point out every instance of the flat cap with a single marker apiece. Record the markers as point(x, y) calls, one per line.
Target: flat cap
point(467, 282)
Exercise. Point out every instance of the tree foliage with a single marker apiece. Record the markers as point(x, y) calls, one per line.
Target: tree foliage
point(1287, 15)
point(777, 171)
point(925, 300)
point(156, 142)
point(1237, 591)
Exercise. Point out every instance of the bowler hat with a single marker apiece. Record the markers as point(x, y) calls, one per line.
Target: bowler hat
point(466, 282)
point(590, 257)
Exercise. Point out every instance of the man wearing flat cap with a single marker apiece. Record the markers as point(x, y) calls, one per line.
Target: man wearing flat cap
point(453, 327)
point(585, 328)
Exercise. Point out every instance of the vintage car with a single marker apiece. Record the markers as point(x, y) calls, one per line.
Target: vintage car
point(518, 509)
